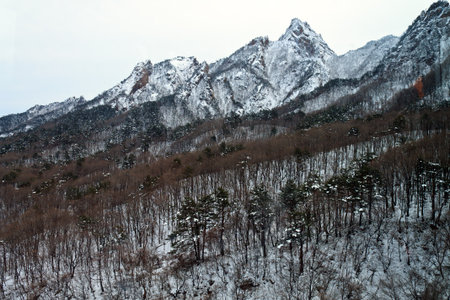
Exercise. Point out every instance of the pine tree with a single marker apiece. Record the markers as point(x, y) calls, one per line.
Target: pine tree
point(222, 203)
point(298, 216)
point(259, 211)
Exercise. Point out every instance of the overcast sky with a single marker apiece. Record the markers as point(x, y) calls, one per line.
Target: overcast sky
point(51, 50)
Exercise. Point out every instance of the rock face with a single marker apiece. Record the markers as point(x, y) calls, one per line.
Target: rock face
point(425, 43)
point(267, 74)
point(424, 48)
point(422, 51)
point(260, 75)
point(181, 86)
point(356, 63)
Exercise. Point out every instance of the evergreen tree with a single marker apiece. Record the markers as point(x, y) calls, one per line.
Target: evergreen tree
point(259, 211)
point(222, 203)
point(298, 216)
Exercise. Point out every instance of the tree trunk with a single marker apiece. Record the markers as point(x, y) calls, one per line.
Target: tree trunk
point(433, 195)
point(221, 242)
point(263, 242)
point(370, 205)
point(300, 257)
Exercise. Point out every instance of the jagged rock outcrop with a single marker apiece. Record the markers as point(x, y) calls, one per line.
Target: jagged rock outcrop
point(422, 51)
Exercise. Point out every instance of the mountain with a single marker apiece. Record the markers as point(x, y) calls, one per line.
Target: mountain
point(426, 42)
point(423, 50)
point(182, 80)
point(296, 74)
point(261, 75)
point(37, 115)
point(356, 63)
point(265, 74)
point(420, 55)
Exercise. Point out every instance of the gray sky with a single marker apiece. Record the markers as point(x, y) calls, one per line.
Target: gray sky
point(51, 50)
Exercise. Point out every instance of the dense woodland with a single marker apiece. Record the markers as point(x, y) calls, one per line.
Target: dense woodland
point(342, 210)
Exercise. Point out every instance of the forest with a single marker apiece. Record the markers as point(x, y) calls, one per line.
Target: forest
point(347, 209)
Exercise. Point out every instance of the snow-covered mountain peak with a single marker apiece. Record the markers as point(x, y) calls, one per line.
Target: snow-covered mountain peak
point(174, 71)
point(140, 73)
point(181, 63)
point(438, 8)
point(146, 64)
point(306, 41)
point(296, 29)
point(261, 40)
point(141, 68)
point(437, 12)
point(265, 74)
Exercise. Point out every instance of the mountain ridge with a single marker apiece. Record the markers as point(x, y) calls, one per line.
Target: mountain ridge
point(37, 115)
point(264, 74)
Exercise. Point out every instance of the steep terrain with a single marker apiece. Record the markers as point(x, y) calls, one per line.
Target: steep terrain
point(355, 210)
point(268, 74)
point(356, 63)
point(184, 81)
point(261, 75)
point(37, 115)
point(422, 52)
point(264, 74)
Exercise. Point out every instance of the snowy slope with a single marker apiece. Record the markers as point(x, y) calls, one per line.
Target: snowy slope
point(264, 74)
point(425, 43)
point(423, 48)
point(119, 95)
point(261, 75)
point(37, 115)
point(183, 80)
point(356, 63)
